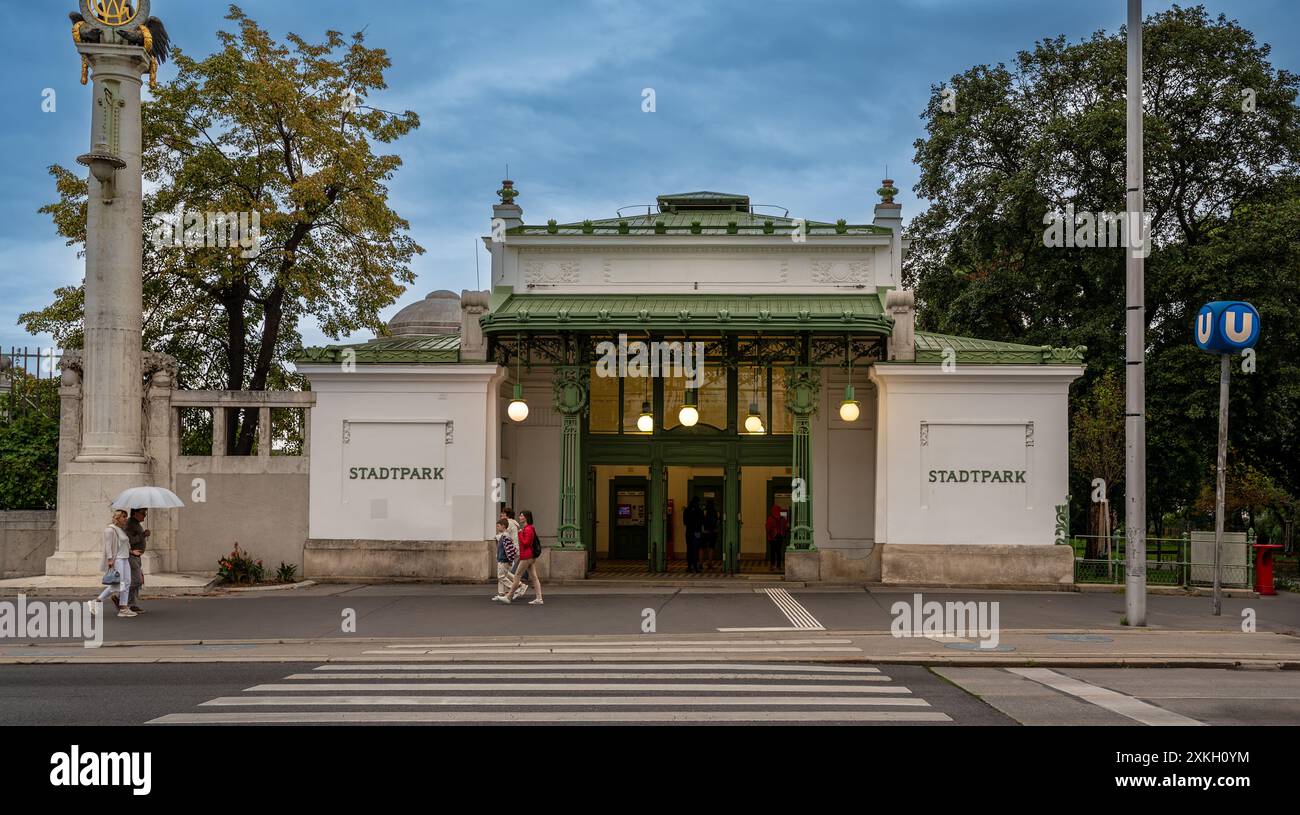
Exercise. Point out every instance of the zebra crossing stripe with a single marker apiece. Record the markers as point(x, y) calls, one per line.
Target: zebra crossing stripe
point(544, 717)
point(625, 650)
point(526, 702)
point(407, 665)
point(314, 677)
point(550, 686)
point(640, 643)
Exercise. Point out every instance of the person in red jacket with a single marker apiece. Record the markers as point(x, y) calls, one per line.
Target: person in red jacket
point(530, 548)
point(777, 529)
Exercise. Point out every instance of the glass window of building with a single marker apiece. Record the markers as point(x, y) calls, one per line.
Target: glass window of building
point(604, 403)
point(711, 398)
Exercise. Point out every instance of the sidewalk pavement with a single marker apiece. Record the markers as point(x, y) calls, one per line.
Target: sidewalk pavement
point(1026, 647)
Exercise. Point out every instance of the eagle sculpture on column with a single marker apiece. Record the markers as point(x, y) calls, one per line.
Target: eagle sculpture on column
point(121, 22)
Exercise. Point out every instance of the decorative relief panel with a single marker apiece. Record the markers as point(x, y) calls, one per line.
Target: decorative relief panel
point(551, 273)
point(833, 272)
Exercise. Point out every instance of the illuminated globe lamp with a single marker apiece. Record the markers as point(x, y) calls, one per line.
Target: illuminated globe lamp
point(754, 422)
point(689, 414)
point(849, 411)
point(646, 421)
point(518, 409)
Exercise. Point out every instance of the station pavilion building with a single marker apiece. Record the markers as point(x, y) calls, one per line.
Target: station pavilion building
point(895, 455)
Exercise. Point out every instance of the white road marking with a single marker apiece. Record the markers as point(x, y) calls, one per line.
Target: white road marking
point(640, 643)
point(407, 665)
point(615, 675)
point(549, 686)
point(519, 717)
point(800, 618)
point(1111, 700)
point(526, 702)
point(646, 650)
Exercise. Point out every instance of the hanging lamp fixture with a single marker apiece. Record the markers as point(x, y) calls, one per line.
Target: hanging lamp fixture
point(689, 414)
point(849, 410)
point(518, 409)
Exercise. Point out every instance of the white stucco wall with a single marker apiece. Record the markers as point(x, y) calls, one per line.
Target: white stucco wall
point(403, 416)
point(975, 418)
point(844, 465)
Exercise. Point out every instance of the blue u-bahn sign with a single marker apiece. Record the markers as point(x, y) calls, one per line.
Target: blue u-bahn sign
point(1227, 326)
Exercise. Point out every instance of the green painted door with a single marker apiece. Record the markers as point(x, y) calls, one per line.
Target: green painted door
point(628, 518)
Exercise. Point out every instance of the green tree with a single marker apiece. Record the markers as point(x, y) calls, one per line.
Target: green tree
point(1222, 146)
point(1097, 451)
point(283, 130)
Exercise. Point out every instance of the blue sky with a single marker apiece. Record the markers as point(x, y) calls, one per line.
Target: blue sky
point(801, 104)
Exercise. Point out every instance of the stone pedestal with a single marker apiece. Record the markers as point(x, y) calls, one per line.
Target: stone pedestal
point(803, 565)
point(977, 565)
point(563, 564)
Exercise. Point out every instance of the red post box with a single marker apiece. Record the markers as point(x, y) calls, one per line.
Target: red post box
point(1264, 567)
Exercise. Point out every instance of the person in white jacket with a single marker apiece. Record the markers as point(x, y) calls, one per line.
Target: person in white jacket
point(117, 550)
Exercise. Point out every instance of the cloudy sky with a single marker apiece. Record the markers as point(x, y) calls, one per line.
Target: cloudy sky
point(801, 104)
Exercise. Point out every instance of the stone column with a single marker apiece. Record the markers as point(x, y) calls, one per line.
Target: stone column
point(111, 362)
point(110, 450)
point(161, 438)
point(803, 390)
point(571, 388)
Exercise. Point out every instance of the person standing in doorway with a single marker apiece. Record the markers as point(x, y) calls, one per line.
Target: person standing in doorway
point(709, 534)
point(136, 534)
point(777, 528)
point(117, 549)
point(693, 520)
point(530, 548)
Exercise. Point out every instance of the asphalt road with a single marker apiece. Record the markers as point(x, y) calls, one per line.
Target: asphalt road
point(697, 693)
point(415, 610)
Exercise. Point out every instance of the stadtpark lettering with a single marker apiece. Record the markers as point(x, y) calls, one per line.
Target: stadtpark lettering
point(395, 473)
point(977, 477)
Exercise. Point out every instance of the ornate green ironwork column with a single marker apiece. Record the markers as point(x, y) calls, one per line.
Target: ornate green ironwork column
point(571, 388)
point(802, 392)
point(731, 509)
point(658, 499)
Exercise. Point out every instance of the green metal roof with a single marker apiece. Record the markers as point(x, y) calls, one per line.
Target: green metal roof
point(930, 348)
point(703, 199)
point(414, 349)
point(693, 313)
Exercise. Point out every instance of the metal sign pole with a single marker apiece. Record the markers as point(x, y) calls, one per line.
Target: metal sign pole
point(1219, 488)
point(1135, 431)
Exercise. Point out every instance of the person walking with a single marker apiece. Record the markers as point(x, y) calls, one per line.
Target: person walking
point(507, 555)
point(117, 549)
point(530, 548)
point(709, 534)
point(777, 528)
point(136, 534)
point(693, 520)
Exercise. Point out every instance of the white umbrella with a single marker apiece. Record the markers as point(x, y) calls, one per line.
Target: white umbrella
point(147, 498)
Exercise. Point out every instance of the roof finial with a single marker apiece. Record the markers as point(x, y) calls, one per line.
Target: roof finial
point(508, 192)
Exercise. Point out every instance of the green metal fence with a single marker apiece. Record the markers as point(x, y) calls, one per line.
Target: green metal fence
point(1169, 563)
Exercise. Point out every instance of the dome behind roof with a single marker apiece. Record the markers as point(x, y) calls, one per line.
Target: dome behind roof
point(437, 313)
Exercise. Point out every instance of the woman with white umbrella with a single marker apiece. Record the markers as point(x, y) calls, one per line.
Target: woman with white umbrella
point(117, 548)
point(139, 500)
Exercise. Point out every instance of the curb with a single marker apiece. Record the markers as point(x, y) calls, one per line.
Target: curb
point(301, 584)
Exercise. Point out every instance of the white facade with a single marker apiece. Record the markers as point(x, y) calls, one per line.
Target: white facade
point(374, 432)
point(966, 456)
